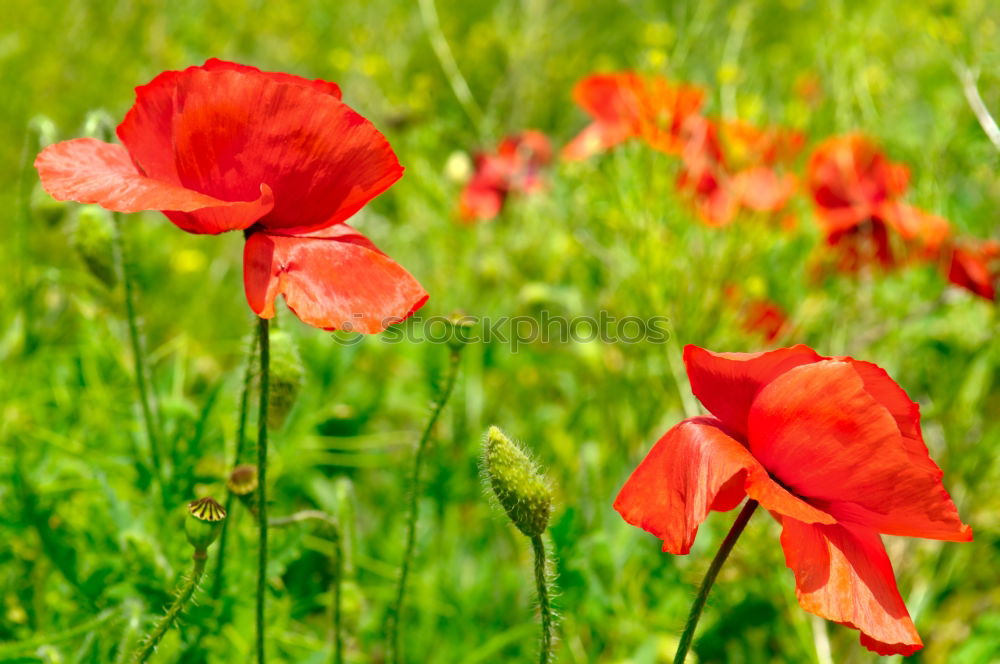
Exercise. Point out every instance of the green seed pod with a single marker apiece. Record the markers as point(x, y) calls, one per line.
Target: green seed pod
point(285, 378)
point(204, 523)
point(242, 483)
point(461, 329)
point(45, 208)
point(93, 239)
point(520, 488)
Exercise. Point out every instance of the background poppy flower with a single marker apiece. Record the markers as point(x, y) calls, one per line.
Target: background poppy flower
point(832, 447)
point(626, 105)
point(975, 266)
point(514, 167)
point(732, 165)
point(225, 147)
point(855, 190)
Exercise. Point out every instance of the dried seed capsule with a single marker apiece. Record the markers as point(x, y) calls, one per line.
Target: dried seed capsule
point(204, 523)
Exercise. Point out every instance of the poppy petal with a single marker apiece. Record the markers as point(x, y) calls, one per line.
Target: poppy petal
point(329, 87)
point(821, 433)
point(763, 189)
point(201, 128)
point(595, 138)
point(694, 468)
point(726, 383)
point(332, 279)
point(842, 573)
point(91, 171)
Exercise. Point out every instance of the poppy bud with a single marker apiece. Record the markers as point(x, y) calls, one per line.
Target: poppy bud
point(522, 490)
point(460, 327)
point(204, 523)
point(285, 378)
point(242, 483)
point(93, 239)
point(45, 208)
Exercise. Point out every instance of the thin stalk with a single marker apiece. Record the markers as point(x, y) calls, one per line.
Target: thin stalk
point(396, 611)
point(241, 428)
point(13, 649)
point(183, 597)
point(439, 44)
point(138, 356)
point(713, 571)
point(338, 569)
point(544, 602)
point(265, 361)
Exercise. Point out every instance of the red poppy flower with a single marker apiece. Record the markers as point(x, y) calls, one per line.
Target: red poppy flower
point(226, 147)
point(732, 165)
point(514, 167)
point(855, 189)
point(975, 266)
point(832, 448)
point(626, 105)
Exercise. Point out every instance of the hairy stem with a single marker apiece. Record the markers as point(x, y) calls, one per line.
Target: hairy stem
point(241, 427)
point(544, 602)
point(337, 560)
point(183, 597)
point(265, 360)
point(411, 522)
point(138, 356)
point(713, 571)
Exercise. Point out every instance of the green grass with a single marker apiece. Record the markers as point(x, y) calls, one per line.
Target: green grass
point(90, 554)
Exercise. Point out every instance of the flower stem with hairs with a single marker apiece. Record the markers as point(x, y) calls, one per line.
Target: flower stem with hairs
point(265, 359)
point(713, 571)
point(411, 522)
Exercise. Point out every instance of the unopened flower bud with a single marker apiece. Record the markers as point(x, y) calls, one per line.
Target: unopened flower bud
point(45, 208)
point(285, 378)
point(460, 332)
point(204, 523)
point(520, 488)
point(93, 239)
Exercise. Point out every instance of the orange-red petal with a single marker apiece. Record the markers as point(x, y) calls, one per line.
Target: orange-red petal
point(694, 468)
point(91, 171)
point(224, 129)
point(332, 279)
point(821, 433)
point(727, 383)
point(842, 573)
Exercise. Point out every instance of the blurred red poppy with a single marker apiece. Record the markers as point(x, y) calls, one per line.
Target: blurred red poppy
point(225, 147)
point(733, 165)
point(626, 105)
point(514, 167)
point(832, 448)
point(855, 190)
point(975, 266)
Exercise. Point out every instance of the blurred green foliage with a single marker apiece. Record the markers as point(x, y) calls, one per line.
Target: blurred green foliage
point(90, 552)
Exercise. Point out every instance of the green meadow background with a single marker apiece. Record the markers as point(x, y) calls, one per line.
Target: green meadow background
point(89, 553)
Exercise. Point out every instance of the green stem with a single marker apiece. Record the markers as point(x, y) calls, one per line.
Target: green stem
point(713, 571)
point(265, 361)
point(411, 522)
point(183, 597)
point(13, 649)
point(138, 357)
point(241, 428)
point(338, 568)
point(544, 605)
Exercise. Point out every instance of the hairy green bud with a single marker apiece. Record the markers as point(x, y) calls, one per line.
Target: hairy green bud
point(285, 379)
point(45, 208)
point(93, 239)
point(204, 523)
point(520, 488)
